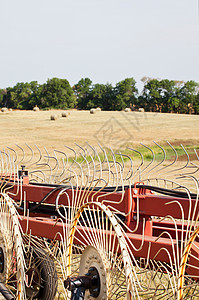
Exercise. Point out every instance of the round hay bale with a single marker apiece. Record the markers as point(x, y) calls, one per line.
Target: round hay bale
point(10, 109)
point(36, 108)
point(141, 109)
point(4, 109)
point(64, 114)
point(98, 109)
point(92, 111)
point(53, 117)
point(127, 109)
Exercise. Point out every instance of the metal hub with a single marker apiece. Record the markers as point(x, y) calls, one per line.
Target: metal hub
point(92, 281)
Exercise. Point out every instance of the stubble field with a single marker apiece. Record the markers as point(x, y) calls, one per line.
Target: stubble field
point(114, 129)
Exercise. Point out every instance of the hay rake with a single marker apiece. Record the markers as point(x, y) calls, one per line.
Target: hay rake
point(95, 224)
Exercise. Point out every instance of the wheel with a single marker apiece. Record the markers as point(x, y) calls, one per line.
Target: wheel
point(11, 249)
point(41, 275)
point(188, 286)
point(96, 244)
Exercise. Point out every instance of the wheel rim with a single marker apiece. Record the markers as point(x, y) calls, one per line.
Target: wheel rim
point(12, 273)
point(96, 240)
point(188, 287)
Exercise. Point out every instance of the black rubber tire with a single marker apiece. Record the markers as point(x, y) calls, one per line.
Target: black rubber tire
point(48, 276)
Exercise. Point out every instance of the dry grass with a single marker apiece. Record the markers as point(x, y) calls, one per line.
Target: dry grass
point(108, 128)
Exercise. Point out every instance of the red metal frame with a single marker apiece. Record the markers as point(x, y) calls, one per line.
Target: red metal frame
point(149, 205)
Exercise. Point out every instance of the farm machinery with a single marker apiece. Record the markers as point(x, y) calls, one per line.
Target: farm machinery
point(90, 223)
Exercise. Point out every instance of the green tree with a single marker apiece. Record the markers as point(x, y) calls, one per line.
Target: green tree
point(3, 93)
point(188, 95)
point(102, 95)
point(125, 94)
point(82, 92)
point(151, 98)
point(18, 96)
point(57, 93)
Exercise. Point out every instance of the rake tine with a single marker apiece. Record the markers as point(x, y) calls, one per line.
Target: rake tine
point(31, 153)
point(152, 158)
point(39, 159)
point(22, 152)
point(73, 152)
point(139, 167)
point(64, 166)
point(161, 162)
point(14, 153)
point(131, 167)
point(93, 149)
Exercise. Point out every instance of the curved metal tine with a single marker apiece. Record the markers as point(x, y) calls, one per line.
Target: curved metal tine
point(100, 164)
point(39, 159)
point(151, 160)
point(175, 159)
point(83, 156)
point(47, 154)
point(80, 153)
point(107, 168)
point(51, 158)
point(93, 159)
point(161, 162)
point(85, 160)
point(91, 165)
point(116, 171)
point(93, 149)
point(139, 167)
point(50, 169)
point(96, 159)
point(56, 168)
point(194, 164)
point(22, 152)
point(14, 174)
point(32, 153)
point(39, 171)
point(6, 158)
point(196, 154)
point(74, 160)
point(14, 153)
point(121, 169)
point(3, 173)
point(11, 172)
point(5, 170)
point(186, 164)
point(102, 151)
point(131, 167)
point(64, 154)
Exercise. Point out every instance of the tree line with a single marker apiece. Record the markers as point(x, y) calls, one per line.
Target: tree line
point(157, 95)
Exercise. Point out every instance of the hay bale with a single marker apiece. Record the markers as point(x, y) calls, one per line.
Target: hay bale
point(4, 109)
point(53, 117)
point(10, 109)
point(93, 111)
point(141, 109)
point(65, 114)
point(36, 108)
point(127, 109)
point(98, 109)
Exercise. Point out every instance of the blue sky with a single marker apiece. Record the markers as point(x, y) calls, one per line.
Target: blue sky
point(105, 40)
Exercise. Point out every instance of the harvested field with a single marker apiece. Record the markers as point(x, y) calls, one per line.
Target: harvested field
point(113, 129)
